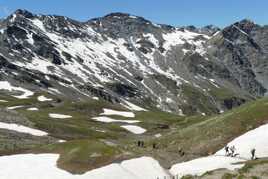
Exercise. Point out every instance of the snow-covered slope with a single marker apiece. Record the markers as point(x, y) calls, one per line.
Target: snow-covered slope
point(120, 58)
point(202, 165)
point(29, 166)
point(22, 129)
point(254, 139)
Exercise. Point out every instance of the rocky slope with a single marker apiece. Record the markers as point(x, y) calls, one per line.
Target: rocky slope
point(123, 58)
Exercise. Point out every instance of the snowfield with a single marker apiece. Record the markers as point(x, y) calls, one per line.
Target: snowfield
point(43, 98)
point(5, 85)
point(256, 139)
point(180, 37)
point(158, 135)
point(134, 129)
point(108, 112)
point(3, 101)
point(133, 107)
point(61, 141)
point(22, 129)
point(29, 166)
point(110, 120)
point(59, 116)
point(202, 165)
point(32, 109)
point(14, 107)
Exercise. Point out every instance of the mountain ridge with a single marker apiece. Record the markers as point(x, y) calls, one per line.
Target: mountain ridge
point(125, 57)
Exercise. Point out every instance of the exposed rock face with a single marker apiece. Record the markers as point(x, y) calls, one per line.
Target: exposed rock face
point(122, 57)
point(238, 47)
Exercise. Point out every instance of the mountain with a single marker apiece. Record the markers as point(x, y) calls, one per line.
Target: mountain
point(102, 94)
point(127, 60)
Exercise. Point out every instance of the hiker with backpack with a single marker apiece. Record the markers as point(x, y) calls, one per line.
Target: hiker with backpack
point(232, 149)
point(226, 148)
point(253, 151)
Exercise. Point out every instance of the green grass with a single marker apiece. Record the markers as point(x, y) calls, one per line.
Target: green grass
point(244, 172)
point(79, 156)
point(84, 149)
point(251, 164)
point(79, 126)
point(229, 176)
point(197, 100)
point(212, 133)
point(80, 130)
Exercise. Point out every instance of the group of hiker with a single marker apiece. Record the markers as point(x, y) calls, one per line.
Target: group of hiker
point(231, 152)
point(141, 144)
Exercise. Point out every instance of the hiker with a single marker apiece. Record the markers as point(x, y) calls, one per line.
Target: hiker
point(253, 151)
point(226, 148)
point(139, 143)
point(181, 152)
point(232, 151)
point(142, 143)
point(154, 146)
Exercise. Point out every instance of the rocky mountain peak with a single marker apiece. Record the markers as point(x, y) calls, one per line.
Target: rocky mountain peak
point(246, 25)
point(207, 30)
point(191, 28)
point(24, 13)
point(238, 30)
point(131, 57)
point(121, 24)
point(117, 15)
point(210, 29)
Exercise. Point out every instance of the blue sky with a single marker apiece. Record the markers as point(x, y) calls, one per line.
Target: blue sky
point(174, 12)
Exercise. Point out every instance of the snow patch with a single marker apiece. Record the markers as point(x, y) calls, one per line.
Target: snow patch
point(180, 37)
point(110, 120)
point(14, 107)
point(133, 107)
point(202, 165)
point(28, 166)
point(43, 98)
point(61, 141)
point(54, 91)
point(96, 98)
point(108, 112)
point(169, 100)
point(152, 39)
point(2, 31)
point(22, 129)
point(59, 116)
point(32, 109)
point(158, 135)
point(30, 38)
point(240, 30)
point(134, 129)
point(5, 85)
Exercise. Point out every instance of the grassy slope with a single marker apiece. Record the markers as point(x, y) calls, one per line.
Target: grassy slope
point(83, 135)
point(210, 100)
point(256, 169)
point(87, 148)
point(212, 133)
